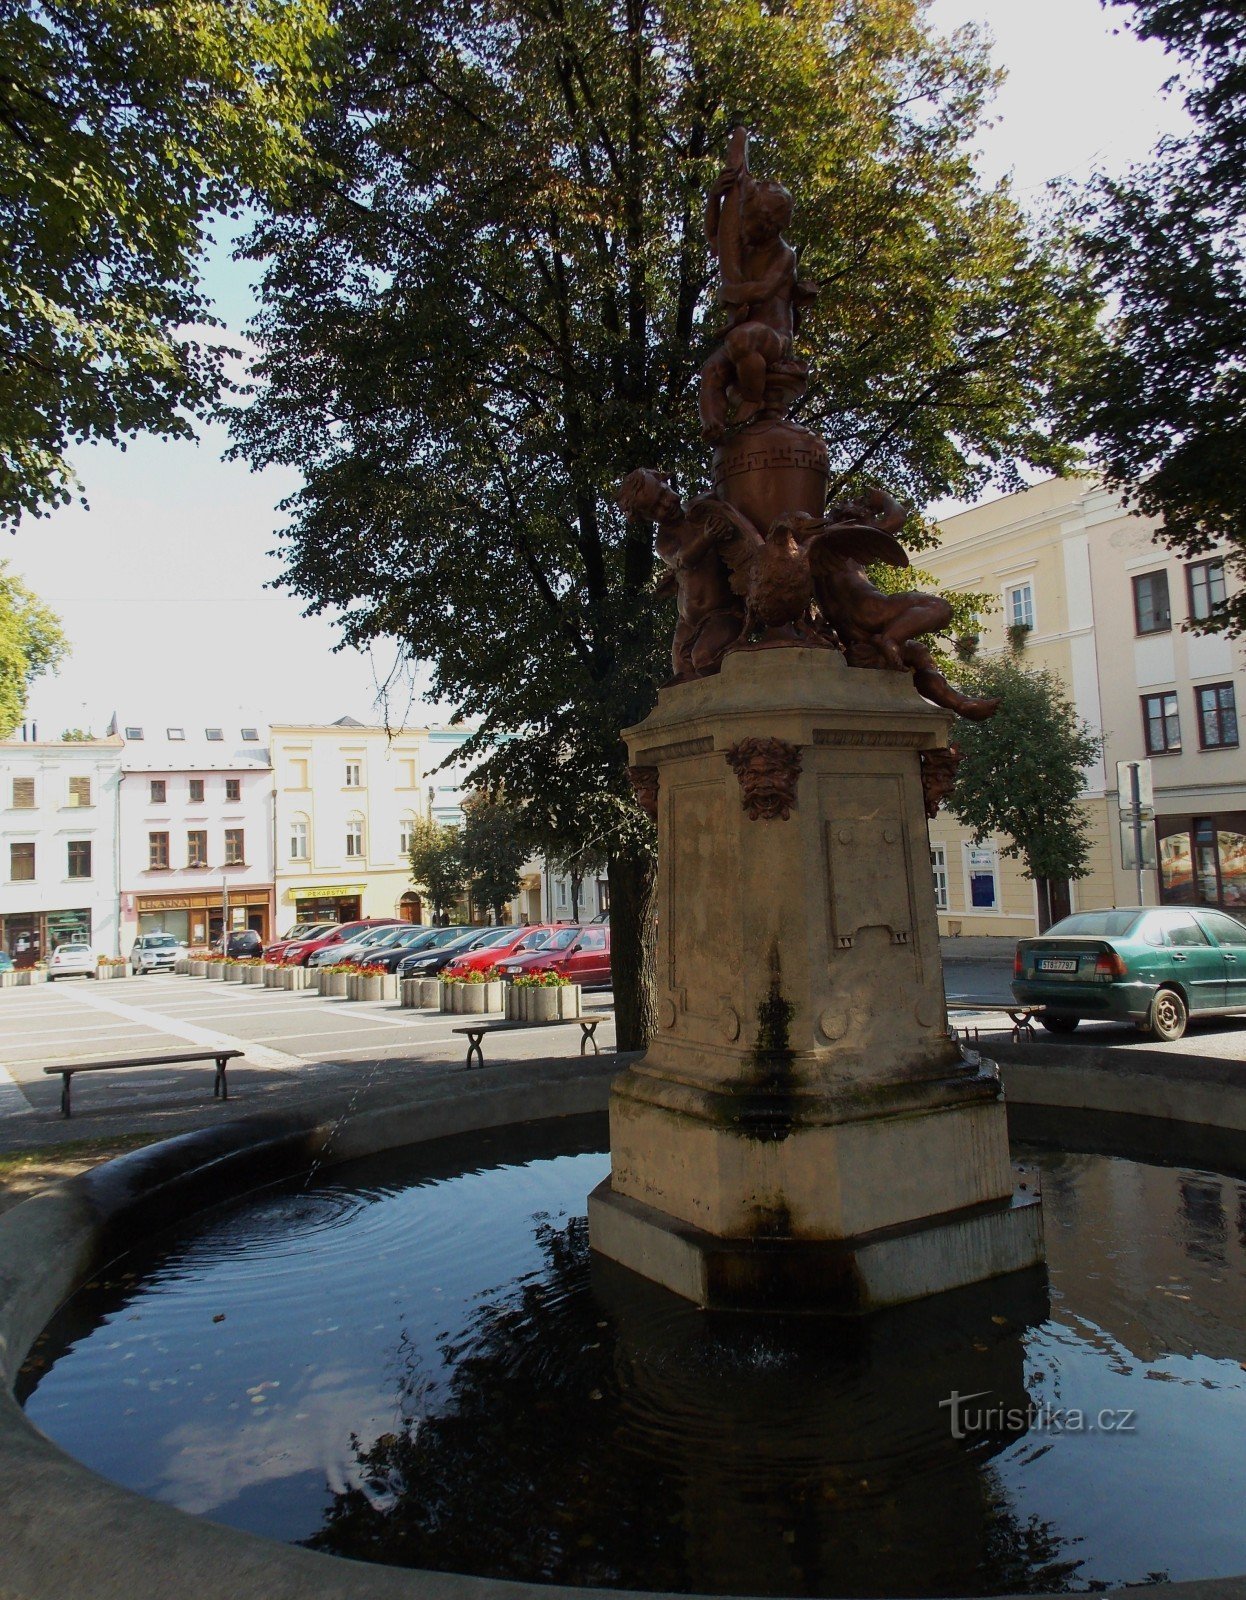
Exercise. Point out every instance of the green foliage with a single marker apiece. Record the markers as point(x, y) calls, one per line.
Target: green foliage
point(1023, 770)
point(500, 307)
point(123, 127)
point(31, 643)
point(437, 867)
point(76, 736)
point(492, 851)
point(1164, 398)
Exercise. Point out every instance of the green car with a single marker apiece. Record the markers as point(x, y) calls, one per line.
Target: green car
point(1154, 966)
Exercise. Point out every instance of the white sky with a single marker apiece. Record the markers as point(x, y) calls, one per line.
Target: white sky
point(161, 585)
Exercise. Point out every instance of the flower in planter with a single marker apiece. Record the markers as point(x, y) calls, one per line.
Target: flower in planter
point(541, 980)
point(489, 975)
point(371, 969)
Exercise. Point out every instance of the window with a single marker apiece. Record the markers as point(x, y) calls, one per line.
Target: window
point(79, 791)
point(354, 836)
point(197, 848)
point(159, 791)
point(23, 793)
point(983, 885)
point(1161, 724)
point(214, 735)
point(603, 895)
point(1205, 582)
point(134, 733)
point(1217, 716)
point(1019, 604)
point(196, 791)
point(235, 853)
point(298, 839)
point(79, 858)
point(176, 733)
point(1227, 930)
point(22, 863)
point(354, 774)
point(406, 834)
point(157, 851)
point(1152, 613)
point(938, 866)
point(233, 790)
point(251, 735)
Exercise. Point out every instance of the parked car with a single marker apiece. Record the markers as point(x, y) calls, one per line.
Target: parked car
point(407, 942)
point(297, 952)
point(429, 962)
point(580, 954)
point(355, 948)
point(6, 962)
point(1152, 966)
point(299, 932)
point(155, 952)
point(74, 958)
point(480, 959)
point(242, 944)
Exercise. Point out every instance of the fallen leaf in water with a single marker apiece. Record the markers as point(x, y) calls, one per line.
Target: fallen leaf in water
point(219, 1317)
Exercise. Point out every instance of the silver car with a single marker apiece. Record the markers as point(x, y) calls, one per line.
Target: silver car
point(155, 952)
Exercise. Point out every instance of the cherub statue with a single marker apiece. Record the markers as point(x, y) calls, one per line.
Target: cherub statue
point(878, 629)
point(744, 223)
point(710, 612)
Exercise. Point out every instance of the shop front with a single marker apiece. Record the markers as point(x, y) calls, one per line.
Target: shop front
point(198, 919)
point(30, 936)
point(1202, 861)
point(338, 902)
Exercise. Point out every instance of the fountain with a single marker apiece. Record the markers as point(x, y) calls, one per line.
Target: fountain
point(804, 1132)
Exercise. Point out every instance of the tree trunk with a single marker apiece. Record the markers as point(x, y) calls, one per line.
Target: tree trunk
point(633, 942)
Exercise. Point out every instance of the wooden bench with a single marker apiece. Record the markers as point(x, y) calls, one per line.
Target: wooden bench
point(589, 1024)
point(220, 1089)
point(1022, 1016)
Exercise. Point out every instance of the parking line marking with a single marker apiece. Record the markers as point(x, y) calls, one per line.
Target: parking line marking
point(258, 1054)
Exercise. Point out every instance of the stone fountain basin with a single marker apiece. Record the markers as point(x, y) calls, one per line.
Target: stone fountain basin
point(69, 1532)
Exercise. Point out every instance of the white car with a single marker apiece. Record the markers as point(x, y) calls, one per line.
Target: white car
point(74, 958)
point(155, 952)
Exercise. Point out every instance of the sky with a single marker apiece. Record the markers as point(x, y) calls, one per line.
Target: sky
point(163, 585)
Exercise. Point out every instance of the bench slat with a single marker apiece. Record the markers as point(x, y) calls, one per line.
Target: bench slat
point(148, 1061)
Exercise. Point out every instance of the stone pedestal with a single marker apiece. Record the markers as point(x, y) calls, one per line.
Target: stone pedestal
point(804, 1131)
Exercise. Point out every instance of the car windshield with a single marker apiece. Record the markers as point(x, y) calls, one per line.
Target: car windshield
point(494, 936)
point(160, 941)
point(445, 936)
point(561, 938)
point(536, 940)
point(1094, 925)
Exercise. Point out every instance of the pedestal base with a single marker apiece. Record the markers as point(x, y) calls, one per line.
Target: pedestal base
point(846, 1276)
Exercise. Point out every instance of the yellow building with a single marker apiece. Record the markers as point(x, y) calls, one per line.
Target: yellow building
point(347, 798)
point(1107, 607)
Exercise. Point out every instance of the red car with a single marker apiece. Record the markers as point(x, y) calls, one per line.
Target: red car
point(521, 941)
point(581, 955)
point(296, 953)
point(295, 935)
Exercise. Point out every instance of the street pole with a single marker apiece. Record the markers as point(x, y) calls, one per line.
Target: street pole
point(224, 915)
point(1135, 800)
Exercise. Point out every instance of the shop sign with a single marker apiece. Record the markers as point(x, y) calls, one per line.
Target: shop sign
point(333, 892)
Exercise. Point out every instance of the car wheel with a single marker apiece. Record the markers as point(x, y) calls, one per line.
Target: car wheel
point(1168, 1015)
point(51, 979)
point(1059, 1024)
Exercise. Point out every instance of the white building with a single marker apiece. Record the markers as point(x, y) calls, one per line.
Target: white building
point(195, 824)
point(58, 856)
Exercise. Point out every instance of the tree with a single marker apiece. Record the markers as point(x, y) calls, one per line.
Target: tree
point(437, 865)
point(493, 852)
point(123, 128)
point(76, 736)
point(1164, 398)
point(1023, 771)
point(498, 305)
point(31, 643)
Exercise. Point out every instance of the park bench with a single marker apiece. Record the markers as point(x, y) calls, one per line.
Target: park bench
point(589, 1024)
point(1022, 1016)
point(220, 1089)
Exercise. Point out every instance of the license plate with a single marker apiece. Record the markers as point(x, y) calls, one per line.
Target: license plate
point(1058, 964)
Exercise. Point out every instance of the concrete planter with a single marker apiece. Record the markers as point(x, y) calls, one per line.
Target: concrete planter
point(525, 1004)
point(253, 975)
point(233, 974)
point(372, 986)
point(569, 1000)
point(198, 969)
point(272, 977)
point(8, 980)
point(430, 991)
point(409, 993)
point(181, 967)
point(334, 984)
point(112, 972)
point(480, 998)
point(447, 995)
point(294, 978)
point(28, 976)
point(543, 1005)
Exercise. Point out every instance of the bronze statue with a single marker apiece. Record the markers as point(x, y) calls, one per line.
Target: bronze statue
point(762, 554)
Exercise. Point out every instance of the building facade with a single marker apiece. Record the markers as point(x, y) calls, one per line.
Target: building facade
point(347, 800)
point(195, 828)
point(59, 804)
point(1107, 608)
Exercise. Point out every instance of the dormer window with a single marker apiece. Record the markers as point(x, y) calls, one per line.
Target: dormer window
point(214, 735)
point(134, 733)
point(176, 733)
point(251, 735)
